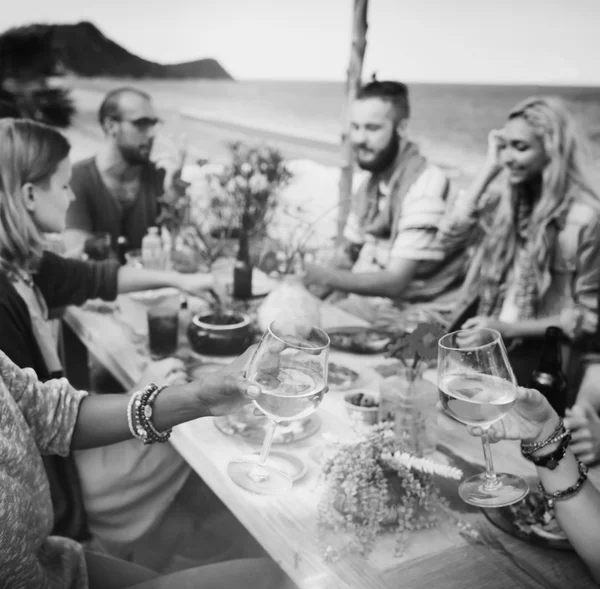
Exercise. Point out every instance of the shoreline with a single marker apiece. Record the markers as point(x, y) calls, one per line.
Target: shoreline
point(209, 131)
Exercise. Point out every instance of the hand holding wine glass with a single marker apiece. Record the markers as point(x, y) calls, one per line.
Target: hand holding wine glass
point(290, 367)
point(478, 388)
point(531, 419)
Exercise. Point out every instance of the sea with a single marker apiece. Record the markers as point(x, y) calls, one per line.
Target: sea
point(449, 121)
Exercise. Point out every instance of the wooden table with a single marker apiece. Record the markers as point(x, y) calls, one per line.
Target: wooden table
point(286, 526)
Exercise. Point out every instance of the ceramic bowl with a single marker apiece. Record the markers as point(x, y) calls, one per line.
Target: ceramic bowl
point(360, 414)
point(220, 339)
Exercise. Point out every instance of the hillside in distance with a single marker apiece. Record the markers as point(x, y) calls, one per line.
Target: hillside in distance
point(83, 50)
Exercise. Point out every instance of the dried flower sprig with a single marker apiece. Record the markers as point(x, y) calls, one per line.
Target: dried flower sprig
point(374, 484)
point(405, 459)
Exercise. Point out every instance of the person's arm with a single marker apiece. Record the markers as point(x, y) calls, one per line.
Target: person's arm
point(589, 390)
point(579, 516)
point(526, 328)
point(462, 215)
point(64, 281)
point(62, 418)
point(532, 419)
point(19, 564)
point(422, 208)
point(15, 338)
point(134, 279)
point(384, 283)
point(102, 419)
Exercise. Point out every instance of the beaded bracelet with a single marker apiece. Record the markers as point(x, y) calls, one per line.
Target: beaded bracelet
point(144, 415)
point(550, 498)
point(530, 447)
point(134, 426)
point(551, 460)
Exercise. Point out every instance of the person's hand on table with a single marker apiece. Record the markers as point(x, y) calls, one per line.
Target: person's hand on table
point(169, 371)
point(474, 339)
point(316, 275)
point(530, 419)
point(196, 284)
point(584, 423)
point(226, 390)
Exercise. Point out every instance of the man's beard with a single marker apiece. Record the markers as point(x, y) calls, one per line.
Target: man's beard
point(384, 159)
point(135, 156)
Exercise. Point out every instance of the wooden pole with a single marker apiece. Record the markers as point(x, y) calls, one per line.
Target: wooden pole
point(353, 82)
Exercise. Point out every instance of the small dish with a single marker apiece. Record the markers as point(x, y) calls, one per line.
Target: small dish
point(529, 520)
point(359, 340)
point(362, 414)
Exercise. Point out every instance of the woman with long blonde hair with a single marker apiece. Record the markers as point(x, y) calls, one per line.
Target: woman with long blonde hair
point(537, 238)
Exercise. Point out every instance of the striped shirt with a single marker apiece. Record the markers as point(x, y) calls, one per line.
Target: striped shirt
point(422, 211)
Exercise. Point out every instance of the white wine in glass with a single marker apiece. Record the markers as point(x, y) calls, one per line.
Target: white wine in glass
point(290, 366)
point(478, 387)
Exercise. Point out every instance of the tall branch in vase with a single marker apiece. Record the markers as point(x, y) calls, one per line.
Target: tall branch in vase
point(357, 53)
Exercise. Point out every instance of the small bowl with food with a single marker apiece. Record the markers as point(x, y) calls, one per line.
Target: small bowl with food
point(362, 407)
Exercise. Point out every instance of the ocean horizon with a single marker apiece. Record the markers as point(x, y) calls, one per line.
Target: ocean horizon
point(450, 122)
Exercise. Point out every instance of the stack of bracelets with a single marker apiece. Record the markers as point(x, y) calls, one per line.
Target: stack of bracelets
point(562, 437)
point(139, 416)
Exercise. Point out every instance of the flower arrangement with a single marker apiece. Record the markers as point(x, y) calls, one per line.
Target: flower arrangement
point(235, 200)
point(243, 192)
point(374, 485)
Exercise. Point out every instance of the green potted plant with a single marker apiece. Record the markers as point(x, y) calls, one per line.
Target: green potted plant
point(375, 485)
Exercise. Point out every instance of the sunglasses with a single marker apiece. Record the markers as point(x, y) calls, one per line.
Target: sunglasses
point(143, 123)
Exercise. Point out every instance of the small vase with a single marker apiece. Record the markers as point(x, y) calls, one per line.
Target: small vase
point(242, 271)
point(409, 401)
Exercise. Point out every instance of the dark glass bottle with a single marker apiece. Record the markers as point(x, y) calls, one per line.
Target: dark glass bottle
point(549, 378)
point(242, 272)
point(122, 247)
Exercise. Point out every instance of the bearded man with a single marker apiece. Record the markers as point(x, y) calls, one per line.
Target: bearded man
point(389, 264)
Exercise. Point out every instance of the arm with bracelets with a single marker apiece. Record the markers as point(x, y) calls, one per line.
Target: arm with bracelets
point(563, 479)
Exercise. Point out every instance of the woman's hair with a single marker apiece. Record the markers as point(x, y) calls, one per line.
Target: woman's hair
point(567, 177)
point(30, 152)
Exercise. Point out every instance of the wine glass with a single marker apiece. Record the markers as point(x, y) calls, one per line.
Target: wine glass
point(290, 366)
point(478, 387)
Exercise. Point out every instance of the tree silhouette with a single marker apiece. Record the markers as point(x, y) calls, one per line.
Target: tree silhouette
point(27, 60)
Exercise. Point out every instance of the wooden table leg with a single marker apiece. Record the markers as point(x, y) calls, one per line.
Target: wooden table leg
point(75, 358)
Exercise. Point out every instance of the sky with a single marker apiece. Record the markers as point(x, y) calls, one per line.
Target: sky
point(475, 41)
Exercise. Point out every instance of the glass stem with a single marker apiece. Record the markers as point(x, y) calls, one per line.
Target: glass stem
point(266, 447)
point(491, 479)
